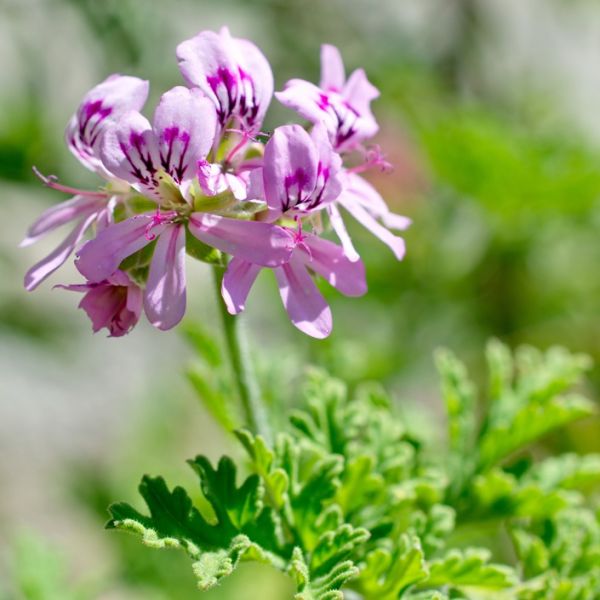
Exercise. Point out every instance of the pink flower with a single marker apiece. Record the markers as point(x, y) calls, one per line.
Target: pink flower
point(160, 160)
point(114, 303)
point(343, 106)
point(300, 172)
point(233, 73)
point(305, 305)
point(300, 175)
point(99, 107)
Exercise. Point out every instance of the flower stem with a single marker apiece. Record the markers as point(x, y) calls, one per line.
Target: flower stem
point(241, 365)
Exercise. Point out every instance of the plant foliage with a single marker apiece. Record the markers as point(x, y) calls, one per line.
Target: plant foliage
point(347, 499)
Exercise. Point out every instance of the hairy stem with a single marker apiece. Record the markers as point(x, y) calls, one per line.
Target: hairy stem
point(241, 365)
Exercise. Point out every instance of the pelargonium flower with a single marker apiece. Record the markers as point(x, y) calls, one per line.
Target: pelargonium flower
point(103, 103)
point(160, 161)
point(233, 73)
point(299, 176)
point(114, 303)
point(201, 175)
point(343, 106)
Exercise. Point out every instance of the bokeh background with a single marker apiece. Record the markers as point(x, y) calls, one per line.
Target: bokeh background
point(489, 111)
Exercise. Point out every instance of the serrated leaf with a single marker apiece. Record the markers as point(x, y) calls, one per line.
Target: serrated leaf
point(326, 587)
point(470, 568)
point(387, 573)
point(569, 471)
point(531, 422)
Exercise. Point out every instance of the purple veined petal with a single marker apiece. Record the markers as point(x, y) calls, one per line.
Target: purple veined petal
point(210, 178)
point(290, 168)
point(207, 63)
point(338, 225)
point(232, 72)
point(309, 101)
point(333, 75)
point(130, 151)
point(305, 305)
point(329, 184)
point(57, 258)
point(330, 261)
point(99, 258)
point(395, 243)
point(185, 124)
point(236, 284)
point(60, 214)
point(256, 84)
point(114, 96)
point(165, 297)
point(258, 242)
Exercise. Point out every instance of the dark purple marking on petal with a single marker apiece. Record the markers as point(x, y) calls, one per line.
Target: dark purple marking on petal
point(298, 179)
point(139, 159)
point(342, 112)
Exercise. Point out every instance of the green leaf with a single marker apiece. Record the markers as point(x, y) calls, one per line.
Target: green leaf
point(470, 568)
point(387, 573)
point(569, 472)
point(531, 422)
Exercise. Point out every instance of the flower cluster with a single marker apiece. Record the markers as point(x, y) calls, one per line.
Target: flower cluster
point(201, 178)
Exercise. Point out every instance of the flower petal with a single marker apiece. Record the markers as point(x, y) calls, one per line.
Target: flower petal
point(236, 284)
point(337, 222)
point(114, 96)
point(395, 243)
point(185, 125)
point(55, 259)
point(130, 151)
point(305, 305)
point(307, 100)
point(261, 243)
point(290, 168)
point(60, 214)
point(99, 258)
point(360, 92)
point(165, 297)
point(232, 72)
point(332, 69)
point(330, 261)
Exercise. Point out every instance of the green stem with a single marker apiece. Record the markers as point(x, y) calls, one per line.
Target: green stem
point(241, 364)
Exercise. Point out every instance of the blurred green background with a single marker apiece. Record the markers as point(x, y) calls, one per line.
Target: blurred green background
point(489, 112)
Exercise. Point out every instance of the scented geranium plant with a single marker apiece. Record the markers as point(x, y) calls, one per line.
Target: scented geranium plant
point(344, 499)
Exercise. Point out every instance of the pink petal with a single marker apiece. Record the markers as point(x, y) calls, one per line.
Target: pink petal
point(261, 243)
point(232, 72)
point(101, 304)
point(360, 92)
point(185, 124)
point(395, 243)
point(306, 99)
point(305, 305)
point(330, 164)
point(55, 259)
point(130, 151)
point(59, 214)
point(99, 258)
point(237, 281)
point(329, 260)
point(114, 96)
point(165, 297)
point(290, 168)
point(332, 68)
point(337, 222)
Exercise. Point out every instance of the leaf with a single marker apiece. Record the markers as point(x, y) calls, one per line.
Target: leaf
point(531, 422)
point(201, 251)
point(569, 472)
point(326, 587)
point(470, 568)
point(387, 573)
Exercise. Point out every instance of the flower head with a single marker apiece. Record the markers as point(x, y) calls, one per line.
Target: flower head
point(344, 106)
point(114, 303)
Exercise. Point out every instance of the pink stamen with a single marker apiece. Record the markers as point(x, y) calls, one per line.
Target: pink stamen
point(157, 219)
point(299, 237)
point(373, 157)
point(51, 181)
point(238, 146)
